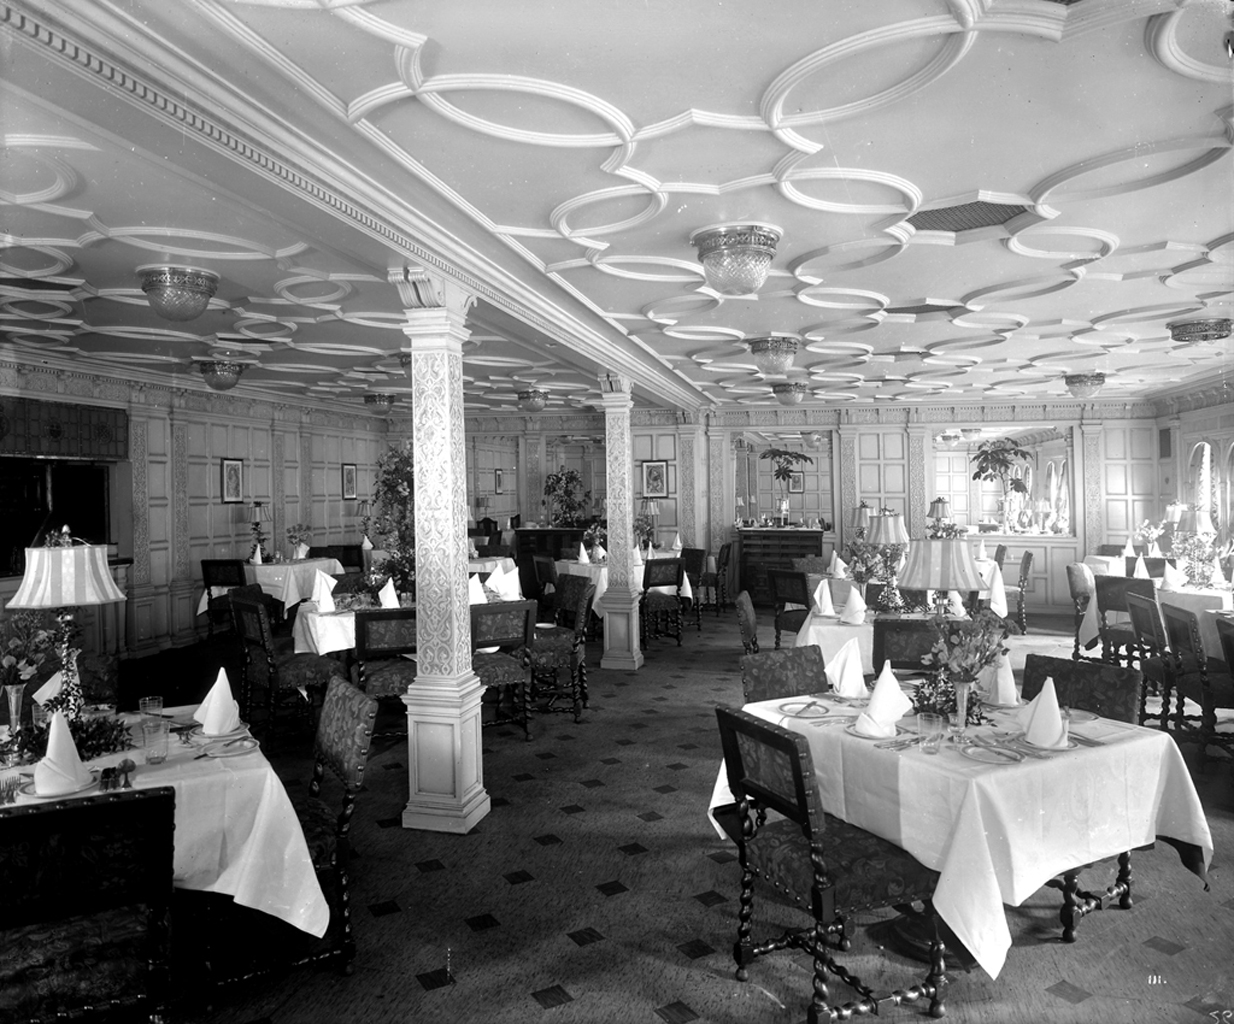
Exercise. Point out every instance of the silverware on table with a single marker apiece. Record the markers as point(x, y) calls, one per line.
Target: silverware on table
point(8, 789)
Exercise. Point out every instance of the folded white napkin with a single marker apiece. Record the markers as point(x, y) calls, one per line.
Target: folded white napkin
point(1218, 572)
point(323, 587)
point(854, 613)
point(711, 564)
point(51, 688)
point(1129, 549)
point(998, 593)
point(677, 542)
point(61, 770)
point(636, 556)
point(1041, 720)
point(955, 604)
point(1174, 578)
point(366, 544)
point(471, 550)
point(583, 557)
point(822, 599)
point(505, 584)
point(839, 568)
point(256, 559)
point(1141, 569)
point(844, 671)
point(1154, 550)
point(601, 554)
point(831, 566)
point(888, 704)
point(302, 550)
point(475, 591)
point(982, 554)
point(387, 596)
point(1002, 684)
point(219, 713)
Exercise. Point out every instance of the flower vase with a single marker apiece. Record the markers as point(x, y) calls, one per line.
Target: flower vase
point(963, 687)
point(14, 692)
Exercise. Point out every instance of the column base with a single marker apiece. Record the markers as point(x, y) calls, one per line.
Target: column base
point(621, 630)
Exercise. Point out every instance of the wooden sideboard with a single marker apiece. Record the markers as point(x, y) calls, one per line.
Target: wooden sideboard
point(761, 549)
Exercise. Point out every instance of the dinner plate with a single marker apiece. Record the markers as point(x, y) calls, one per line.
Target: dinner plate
point(1019, 737)
point(803, 708)
point(197, 734)
point(27, 789)
point(852, 731)
point(852, 702)
point(231, 748)
point(1002, 707)
point(991, 755)
point(1077, 715)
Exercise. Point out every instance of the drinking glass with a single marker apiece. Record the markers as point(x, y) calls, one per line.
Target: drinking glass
point(14, 693)
point(154, 733)
point(150, 707)
point(930, 728)
point(960, 726)
point(39, 715)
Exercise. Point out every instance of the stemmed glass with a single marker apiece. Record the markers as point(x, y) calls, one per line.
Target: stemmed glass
point(959, 730)
point(14, 693)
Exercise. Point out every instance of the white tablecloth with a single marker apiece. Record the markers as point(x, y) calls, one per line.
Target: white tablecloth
point(997, 833)
point(236, 831)
point(316, 632)
point(597, 572)
point(829, 634)
point(1107, 565)
point(1204, 602)
point(490, 565)
point(291, 582)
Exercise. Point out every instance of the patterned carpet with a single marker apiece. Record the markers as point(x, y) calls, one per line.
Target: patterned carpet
point(596, 889)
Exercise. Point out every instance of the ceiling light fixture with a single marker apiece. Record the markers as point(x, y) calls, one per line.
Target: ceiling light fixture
point(773, 353)
point(1084, 385)
point(736, 257)
point(789, 394)
point(221, 374)
point(533, 400)
point(379, 399)
point(178, 293)
point(404, 360)
point(814, 440)
point(1200, 332)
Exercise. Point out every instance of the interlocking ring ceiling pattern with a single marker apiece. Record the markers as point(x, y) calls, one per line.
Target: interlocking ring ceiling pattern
point(562, 154)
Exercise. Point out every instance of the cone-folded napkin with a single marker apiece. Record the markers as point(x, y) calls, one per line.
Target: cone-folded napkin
point(387, 596)
point(888, 704)
point(1141, 569)
point(844, 671)
point(636, 556)
point(583, 557)
point(366, 544)
point(219, 713)
point(677, 542)
point(61, 770)
point(982, 554)
point(998, 593)
point(256, 559)
point(601, 554)
point(1002, 685)
point(822, 599)
point(839, 568)
point(854, 613)
point(475, 591)
point(1041, 719)
point(1129, 549)
point(323, 591)
point(1174, 578)
point(505, 584)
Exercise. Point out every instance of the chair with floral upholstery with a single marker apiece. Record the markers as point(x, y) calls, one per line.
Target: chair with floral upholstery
point(817, 863)
point(1118, 645)
point(564, 646)
point(660, 613)
point(716, 580)
point(1209, 684)
point(1083, 587)
point(747, 622)
point(508, 628)
point(1111, 692)
point(288, 678)
point(788, 673)
point(383, 637)
point(903, 642)
point(85, 922)
point(1157, 663)
point(789, 587)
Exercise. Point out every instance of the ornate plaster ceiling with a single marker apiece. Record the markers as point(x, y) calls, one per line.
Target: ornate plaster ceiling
point(556, 158)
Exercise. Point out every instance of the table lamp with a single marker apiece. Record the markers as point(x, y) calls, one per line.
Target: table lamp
point(861, 519)
point(259, 512)
point(940, 513)
point(889, 535)
point(64, 576)
point(940, 565)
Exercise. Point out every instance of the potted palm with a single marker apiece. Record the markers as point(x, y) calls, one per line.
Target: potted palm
point(783, 465)
point(997, 460)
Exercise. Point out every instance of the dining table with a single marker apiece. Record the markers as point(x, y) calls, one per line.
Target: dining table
point(997, 826)
point(236, 831)
point(597, 572)
point(1206, 602)
point(288, 582)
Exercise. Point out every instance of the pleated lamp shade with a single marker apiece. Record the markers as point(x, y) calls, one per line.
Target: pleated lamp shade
point(941, 564)
point(887, 529)
point(66, 578)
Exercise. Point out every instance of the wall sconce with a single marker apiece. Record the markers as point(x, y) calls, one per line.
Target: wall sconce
point(736, 257)
point(178, 293)
point(813, 440)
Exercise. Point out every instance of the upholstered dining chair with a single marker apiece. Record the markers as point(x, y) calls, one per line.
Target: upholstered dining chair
point(1111, 692)
point(903, 642)
point(717, 581)
point(85, 921)
point(808, 564)
point(747, 622)
point(546, 584)
point(788, 673)
point(1083, 588)
point(1000, 554)
point(1019, 588)
point(563, 647)
point(789, 587)
point(1210, 685)
point(510, 627)
point(1156, 662)
point(817, 863)
point(694, 564)
point(288, 678)
point(660, 613)
point(383, 637)
point(1118, 644)
point(225, 575)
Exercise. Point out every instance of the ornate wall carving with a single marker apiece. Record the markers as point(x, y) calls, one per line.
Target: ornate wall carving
point(848, 482)
point(686, 488)
point(619, 471)
point(181, 563)
point(278, 463)
point(918, 502)
point(139, 452)
point(1094, 520)
point(717, 455)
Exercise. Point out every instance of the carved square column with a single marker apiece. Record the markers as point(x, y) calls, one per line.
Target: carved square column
point(619, 605)
point(445, 772)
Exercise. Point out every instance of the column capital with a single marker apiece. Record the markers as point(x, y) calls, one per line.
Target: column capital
point(434, 305)
point(615, 383)
point(616, 401)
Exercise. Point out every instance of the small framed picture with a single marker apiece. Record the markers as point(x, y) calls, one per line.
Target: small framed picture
point(655, 479)
point(797, 483)
point(498, 482)
point(349, 480)
point(231, 485)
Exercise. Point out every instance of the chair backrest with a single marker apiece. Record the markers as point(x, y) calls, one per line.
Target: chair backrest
point(1081, 583)
point(789, 672)
point(1112, 592)
point(663, 572)
point(770, 767)
point(1150, 632)
point(489, 525)
point(344, 735)
point(903, 642)
point(747, 621)
point(516, 521)
point(723, 558)
point(1107, 690)
point(384, 633)
point(1109, 550)
point(67, 869)
point(546, 570)
point(322, 551)
point(1026, 567)
point(574, 597)
point(788, 585)
point(351, 556)
point(1225, 633)
point(510, 625)
point(695, 561)
point(1000, 554)
point(1182, 627)
point(253, 624)
point(811, 563)
point(223, 572)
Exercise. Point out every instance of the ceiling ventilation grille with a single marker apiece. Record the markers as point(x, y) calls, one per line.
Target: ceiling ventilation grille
point(965, 217)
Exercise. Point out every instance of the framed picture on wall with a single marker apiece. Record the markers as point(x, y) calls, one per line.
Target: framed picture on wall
point(498, 482)
point(231, 484)
point(655, 479)
point(797, 483)
point(349, 480)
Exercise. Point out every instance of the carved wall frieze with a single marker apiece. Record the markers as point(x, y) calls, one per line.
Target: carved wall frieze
point(180, 500)
point(139, 451)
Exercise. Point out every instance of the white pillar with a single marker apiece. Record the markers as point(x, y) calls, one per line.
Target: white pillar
point(444, 767)
point(619, 605)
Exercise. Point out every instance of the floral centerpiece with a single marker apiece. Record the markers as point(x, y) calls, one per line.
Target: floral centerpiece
point(298, 536)
point(395, 520)
point(1150, 532)
point(962, 648)
point(594, 535)
point(26, 639)
point(1194, 554)
point(644, 528)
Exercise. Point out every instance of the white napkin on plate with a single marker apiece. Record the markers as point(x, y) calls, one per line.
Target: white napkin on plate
point(505, 584)
point(831, 566)
point(840, 568)
point(1174, 578)
point(219, 713)
point(982, 554)
point(1129, 549)
point(1218, 578)
point(854, 613)
point(256, 559)
point(677, 542)
point(366, 544)
point(636, 556)
point(601, 554)
point(61, 770)
point(1041, 720)
point(998, 593)
point(475, 591)
point(1141, 569)
point(822, 599)
point(302, 550)
point(387, 596)
point(1002, 683)
point(844, 671)
point(888, 704)
point(583, 558)
point(323, 591)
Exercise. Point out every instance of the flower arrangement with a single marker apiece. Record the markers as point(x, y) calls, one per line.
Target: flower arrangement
point(395, 520)
point(945, 531)
point(963, 647)
point(936, 694)
point(93, 735)
point(595, 534)
point(644, 528)
point(1150, 532)
point(1194, 555)
point(26, 640)
point(299, 533)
